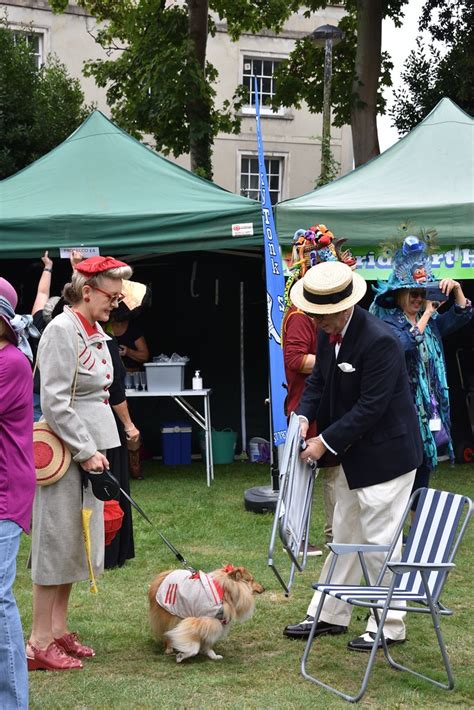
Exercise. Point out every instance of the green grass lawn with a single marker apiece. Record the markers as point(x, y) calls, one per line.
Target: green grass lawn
point(261, 667)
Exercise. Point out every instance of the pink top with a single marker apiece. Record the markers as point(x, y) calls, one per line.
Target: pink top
point(17, 471)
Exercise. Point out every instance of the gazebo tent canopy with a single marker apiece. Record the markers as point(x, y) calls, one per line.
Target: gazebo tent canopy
point(103, 188)
point(426, 178)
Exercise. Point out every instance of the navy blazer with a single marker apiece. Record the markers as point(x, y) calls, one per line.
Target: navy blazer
point(366, 416)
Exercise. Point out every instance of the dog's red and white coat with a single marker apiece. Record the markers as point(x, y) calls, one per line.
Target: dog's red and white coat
point(184, 594)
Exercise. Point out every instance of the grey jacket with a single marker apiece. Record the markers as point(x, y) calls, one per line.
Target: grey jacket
point(88, 424)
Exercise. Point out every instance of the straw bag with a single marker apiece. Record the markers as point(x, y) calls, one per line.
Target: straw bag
point(51, 456)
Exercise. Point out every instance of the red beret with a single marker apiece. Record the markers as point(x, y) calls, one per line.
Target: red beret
point(97, 264)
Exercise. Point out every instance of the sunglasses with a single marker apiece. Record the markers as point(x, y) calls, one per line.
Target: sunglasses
point(417, 294)
point(112, 297)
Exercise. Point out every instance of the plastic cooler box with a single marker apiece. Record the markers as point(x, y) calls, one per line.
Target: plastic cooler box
point(176, 443)
point(165, 376)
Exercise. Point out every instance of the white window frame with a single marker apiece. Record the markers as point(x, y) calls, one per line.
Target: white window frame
point(270, 155)
point(249, 109)
point(33, 31)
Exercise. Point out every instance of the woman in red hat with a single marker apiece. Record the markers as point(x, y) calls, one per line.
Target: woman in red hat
point(73, 342)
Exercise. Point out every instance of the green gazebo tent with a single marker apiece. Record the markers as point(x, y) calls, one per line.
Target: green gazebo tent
point(103, 188)
point(426, 178)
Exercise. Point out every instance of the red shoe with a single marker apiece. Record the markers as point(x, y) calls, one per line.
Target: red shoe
point(71, 645)
point(51, 659)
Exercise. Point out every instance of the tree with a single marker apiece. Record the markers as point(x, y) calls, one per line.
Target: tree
point(430, 74)
point(360, 72)
point(39, 108)
point(159, 81)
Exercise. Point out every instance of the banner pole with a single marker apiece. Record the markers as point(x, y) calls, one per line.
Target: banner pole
point(263, 499)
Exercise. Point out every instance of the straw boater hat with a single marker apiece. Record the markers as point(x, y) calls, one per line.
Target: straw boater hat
point(329, 287)
point(52, 457)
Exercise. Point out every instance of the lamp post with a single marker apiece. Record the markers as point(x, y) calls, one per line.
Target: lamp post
point(326, 36)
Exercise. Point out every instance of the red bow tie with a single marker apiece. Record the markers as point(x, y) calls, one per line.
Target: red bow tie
point(335, 339)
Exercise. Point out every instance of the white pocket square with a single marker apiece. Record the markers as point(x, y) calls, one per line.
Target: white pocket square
point(346, 367)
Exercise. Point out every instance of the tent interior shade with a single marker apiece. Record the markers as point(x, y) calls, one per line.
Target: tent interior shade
point(426, 178)
point(103, 188)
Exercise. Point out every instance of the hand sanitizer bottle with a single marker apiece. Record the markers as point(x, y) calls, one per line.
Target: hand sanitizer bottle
point(197, 381)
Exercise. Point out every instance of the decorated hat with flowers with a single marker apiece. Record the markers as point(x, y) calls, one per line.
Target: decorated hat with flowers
point(411, 264)
point(313, 246)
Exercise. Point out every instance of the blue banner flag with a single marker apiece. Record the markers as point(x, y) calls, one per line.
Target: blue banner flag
point(275, 282)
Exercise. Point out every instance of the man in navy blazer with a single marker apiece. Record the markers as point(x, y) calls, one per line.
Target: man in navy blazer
point(359, 395)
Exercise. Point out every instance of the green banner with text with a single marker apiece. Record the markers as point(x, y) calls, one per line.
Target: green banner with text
point(455, 263)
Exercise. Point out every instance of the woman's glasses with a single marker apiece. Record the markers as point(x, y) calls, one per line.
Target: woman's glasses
point(417, 294)
point(112, 297)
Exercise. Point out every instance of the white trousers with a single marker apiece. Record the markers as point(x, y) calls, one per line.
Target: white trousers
point(329, 496)
point(369, 516)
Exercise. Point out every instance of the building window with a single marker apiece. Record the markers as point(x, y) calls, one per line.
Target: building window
point(263, 70)
point(249, 177)
point(34, 42)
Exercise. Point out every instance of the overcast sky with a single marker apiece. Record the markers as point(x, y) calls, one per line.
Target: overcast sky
point(398, 42)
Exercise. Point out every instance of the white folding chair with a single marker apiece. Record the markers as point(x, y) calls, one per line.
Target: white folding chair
point(418, 578)
point(293, 510)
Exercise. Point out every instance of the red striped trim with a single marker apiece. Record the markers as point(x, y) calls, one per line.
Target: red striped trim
point(175, 590)
point(87, 359)
point(85, 348)
point(167, 597)
point(219, 590)
point(90, 368)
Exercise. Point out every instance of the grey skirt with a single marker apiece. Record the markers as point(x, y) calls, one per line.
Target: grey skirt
point(58, 553)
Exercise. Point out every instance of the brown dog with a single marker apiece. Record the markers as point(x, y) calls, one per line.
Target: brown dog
point(191, 612)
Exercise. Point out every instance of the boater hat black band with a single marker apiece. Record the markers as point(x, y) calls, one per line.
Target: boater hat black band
point(330, 298)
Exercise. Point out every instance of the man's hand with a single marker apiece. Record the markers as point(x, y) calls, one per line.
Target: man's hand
point(304, 426)
point(123, 350)
point(315, 450)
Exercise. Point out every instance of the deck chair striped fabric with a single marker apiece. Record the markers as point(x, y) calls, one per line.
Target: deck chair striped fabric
point(418, 578)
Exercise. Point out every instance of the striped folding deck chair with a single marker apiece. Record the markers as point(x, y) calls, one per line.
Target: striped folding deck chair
point(418, 578)
point(293, 510)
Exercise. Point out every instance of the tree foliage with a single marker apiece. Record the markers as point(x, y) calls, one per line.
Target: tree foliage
point(157, 83)
point(357, 82)
point(430, 74)
point(39, 108)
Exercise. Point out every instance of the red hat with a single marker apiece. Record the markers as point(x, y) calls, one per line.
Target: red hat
point(98, 264)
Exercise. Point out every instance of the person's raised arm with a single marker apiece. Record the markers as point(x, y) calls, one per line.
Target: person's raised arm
point(44, 285)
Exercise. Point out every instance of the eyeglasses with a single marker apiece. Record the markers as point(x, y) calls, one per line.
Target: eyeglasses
point(418, 294)
point(318, 316)
point(112, 298)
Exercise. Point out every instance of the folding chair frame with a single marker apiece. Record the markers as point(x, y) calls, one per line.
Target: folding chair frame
point(432, 605)
point(293, 539)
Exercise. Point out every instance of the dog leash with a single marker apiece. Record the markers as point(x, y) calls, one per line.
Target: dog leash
point(173, 549)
